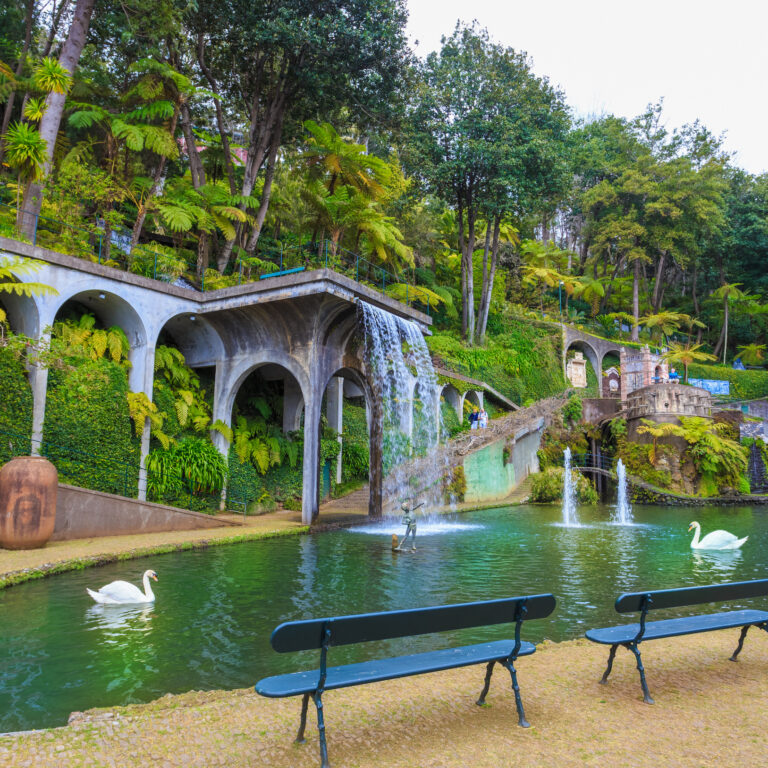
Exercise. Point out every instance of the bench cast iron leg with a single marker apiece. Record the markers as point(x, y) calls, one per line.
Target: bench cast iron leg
point(518, 699)
point(607, 672)
point(646, 695)
point(321, 730)
point(488, 673)
point(743, 634)
point(303, 723)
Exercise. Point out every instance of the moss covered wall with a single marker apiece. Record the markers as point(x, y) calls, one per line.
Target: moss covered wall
point(15, 407)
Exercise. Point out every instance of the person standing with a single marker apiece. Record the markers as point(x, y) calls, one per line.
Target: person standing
point(483, 419)
point(473, 418)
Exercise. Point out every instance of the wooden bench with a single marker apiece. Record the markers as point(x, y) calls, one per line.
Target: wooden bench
point(631, 635)
point(324, 634)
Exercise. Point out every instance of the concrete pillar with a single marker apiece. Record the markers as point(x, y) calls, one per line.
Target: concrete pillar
point(143, 377)
point(335, 414)
point(311, 491)
point(293, 402)
point(220, 412)
point(375, 467)
point(38, 380)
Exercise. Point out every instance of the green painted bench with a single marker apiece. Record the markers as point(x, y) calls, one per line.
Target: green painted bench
point(631, 635)
point(323, 634)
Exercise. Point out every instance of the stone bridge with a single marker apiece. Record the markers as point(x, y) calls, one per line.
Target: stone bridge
point(297, 329)
point(594, 348)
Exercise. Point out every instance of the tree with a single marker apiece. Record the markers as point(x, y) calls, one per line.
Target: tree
point(687, 355)
point(752, 354)
point(727, 293)
point(54, 109)
point(487, 136)
point(296, 60)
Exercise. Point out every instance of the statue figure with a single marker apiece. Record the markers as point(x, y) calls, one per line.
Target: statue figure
point(409, 521)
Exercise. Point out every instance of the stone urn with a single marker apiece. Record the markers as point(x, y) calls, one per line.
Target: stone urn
point(28, 487)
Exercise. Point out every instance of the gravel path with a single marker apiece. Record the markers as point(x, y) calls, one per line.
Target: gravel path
point(708, 712)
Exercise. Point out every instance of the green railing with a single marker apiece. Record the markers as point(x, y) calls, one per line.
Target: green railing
point(115, 250)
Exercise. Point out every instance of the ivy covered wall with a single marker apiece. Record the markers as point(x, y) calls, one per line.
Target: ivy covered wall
point(15, 406)
point(88, 430)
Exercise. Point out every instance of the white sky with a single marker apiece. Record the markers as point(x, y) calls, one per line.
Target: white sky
point(707, 59)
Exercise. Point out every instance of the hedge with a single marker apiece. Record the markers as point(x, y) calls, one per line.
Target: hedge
point(88, 432)
point(15, 407)
point(745, 385)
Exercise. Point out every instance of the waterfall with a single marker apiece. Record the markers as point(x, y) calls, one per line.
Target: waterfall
point(623, 514)
point(570, 518)
point(404, 380)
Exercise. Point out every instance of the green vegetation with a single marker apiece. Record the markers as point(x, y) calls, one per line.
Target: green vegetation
point(745, 385)
point(16, 413)
point(547, 487)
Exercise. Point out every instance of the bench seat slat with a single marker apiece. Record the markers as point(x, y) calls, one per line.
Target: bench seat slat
point(296, 683)
point(686, 625)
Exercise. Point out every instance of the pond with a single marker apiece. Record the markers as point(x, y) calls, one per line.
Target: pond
point(215, 608)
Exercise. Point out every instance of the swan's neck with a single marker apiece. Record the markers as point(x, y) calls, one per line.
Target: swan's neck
point(148, 593)
point(696, 532)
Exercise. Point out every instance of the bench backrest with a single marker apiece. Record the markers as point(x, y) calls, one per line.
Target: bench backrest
point(674, 598)
point(345, 630)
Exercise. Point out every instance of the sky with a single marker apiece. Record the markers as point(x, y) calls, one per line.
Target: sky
point(706, 59)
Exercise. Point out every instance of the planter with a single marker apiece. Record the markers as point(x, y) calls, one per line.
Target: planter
point(28, 487)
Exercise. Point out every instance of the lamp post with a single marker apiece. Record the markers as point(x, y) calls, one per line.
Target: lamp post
point(560, 297)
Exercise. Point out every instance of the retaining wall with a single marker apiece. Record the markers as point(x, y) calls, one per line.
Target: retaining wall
point(493, 472)
point(84, 514)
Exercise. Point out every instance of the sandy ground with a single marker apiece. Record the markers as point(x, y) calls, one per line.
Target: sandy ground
point(708, 712)
point(58, 555)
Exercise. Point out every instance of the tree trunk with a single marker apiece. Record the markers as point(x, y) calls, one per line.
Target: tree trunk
point(219, 116)
point(485, 299)
point(54, 27)
point(469, 300)
point(636, 300)
point(157, 179)
point(54, 109)
point(196, 170)
point(657, 291)
point(261, 214)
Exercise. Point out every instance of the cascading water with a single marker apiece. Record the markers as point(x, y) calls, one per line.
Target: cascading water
point(570, 518)
point(623, 514)
point(405, 381)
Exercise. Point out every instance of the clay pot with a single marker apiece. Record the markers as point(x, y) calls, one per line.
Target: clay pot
point(28, 487)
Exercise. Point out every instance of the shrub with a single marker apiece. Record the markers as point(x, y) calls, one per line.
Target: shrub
point(745, 385)
point(457, 487)
point(547, 487)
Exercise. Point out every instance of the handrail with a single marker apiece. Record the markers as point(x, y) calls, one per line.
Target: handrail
point(91, 243)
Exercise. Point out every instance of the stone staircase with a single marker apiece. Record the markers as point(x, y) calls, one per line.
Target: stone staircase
point(758, 478)
point(353, 503)
point(522, 492)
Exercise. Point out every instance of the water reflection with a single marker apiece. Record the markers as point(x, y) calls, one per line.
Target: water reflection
point(118, 622)
point(716, 565)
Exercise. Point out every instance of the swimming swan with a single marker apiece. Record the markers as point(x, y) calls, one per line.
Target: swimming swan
point(714, 540)
point(121, 592)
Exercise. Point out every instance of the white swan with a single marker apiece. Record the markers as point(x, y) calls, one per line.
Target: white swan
point(121, 592)
point(714, 540)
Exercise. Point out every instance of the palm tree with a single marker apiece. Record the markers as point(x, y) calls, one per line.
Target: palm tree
point(687, 355)
point(25, 152)
point(752, 354)
point(726, 293)
point(657, 431)
point(343, 162)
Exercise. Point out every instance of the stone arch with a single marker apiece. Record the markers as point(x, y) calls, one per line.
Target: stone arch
point(235, 375)
point(356, 378)
point(111, 309)
point(195, 337)
point(22, 313)
point(474, 398)
point(590, 352)
point(451, 395)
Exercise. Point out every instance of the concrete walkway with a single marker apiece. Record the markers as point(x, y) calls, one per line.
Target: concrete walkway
point(17, 566)
point(709, 713)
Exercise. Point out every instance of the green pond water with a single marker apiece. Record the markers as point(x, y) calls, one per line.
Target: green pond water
point(215, 608)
